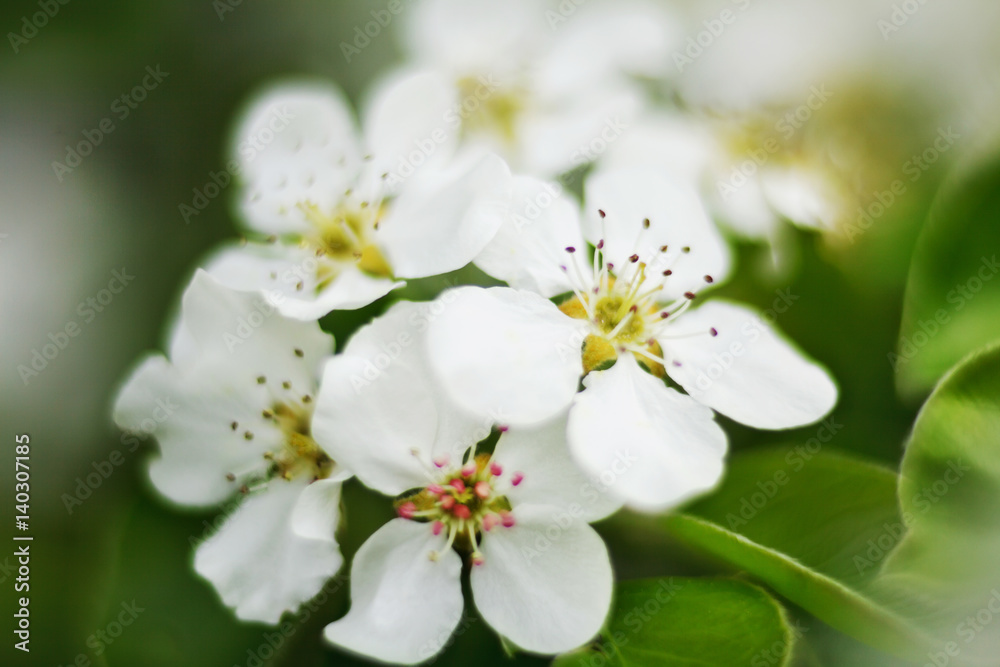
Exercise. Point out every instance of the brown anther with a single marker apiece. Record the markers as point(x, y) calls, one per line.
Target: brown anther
point(234, 425)
point(713, 331)
point(261, 379)
point(299, 352)
point(709, 279)
point(686, 249)
point(600, 213)
point(645, 223)
point(286, 384)
point(231, 477)
point(689, 295)
point(247, 435)
point(668, 272)
point(634, 258)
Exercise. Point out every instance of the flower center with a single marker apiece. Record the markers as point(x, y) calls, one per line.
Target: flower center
point(486, 107)
point(346, 235)
point(298, 456)
point(623, 306)
point(464, 503)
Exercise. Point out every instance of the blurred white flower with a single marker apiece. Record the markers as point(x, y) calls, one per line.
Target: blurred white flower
point(564, 79)
point(516, 351)
point(540, 576)
point(750, 181)
point(231, 409)
point(348, 215)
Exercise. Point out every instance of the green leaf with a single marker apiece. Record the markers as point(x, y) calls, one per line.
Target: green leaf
point(821, 508)
point(814, 527)
point(952, 303)
point(948, 565)
point(690, 622)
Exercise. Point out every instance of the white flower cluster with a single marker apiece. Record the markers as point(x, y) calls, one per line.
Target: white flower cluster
point(501, 420)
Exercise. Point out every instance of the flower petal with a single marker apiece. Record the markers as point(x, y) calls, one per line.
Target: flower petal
point(288, 274)
point(545, 583)
point(406, 123)
point(548, 475)
point(467, 37)
point(317, 512)
point(297, 143)
point(378, 404)
point(748, 372)
point(530, 246)
point(258, 564)
point(506, 353)
point(677, 220)
point(190, 413)
point(245, 330)
point(646, 443)
point(404, 606)
point(232, 352)
point(442, 219)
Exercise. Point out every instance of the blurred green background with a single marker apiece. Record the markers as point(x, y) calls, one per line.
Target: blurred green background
point(60, 241)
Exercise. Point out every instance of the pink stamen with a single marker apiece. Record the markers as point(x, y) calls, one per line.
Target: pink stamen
point(518, 478)
point(482, 490)
point(447, 502)
point(441, 461)
point(496, 469)
point(462, 511)
point(435, 489)
point(458, 485)
point(503, 429)
point(437, 527)
point(478, 560)
point(407, 510)
point(507, 519)
point(489, 521)
point(469, 470)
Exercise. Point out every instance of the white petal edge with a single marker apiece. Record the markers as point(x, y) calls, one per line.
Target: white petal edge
point(545, 583)
point(748, 372)
point(443, 219)
point(530, 246)
point(258, 564)
point(404, 606)
point(549, 475)
point(317, 512)
point(504, 352)
point(646, 443)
